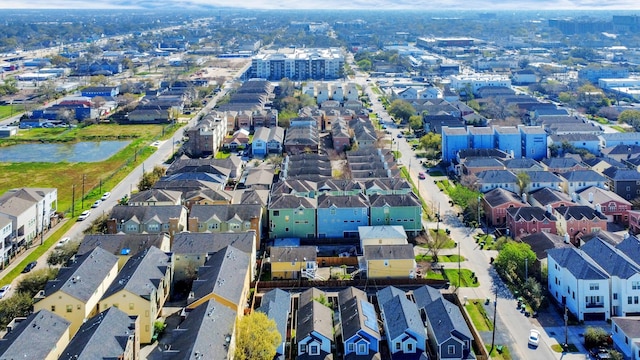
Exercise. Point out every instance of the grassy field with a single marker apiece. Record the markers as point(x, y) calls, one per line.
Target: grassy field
point(6, 111)
point(619, 128)
point(465, 275)
point(478, 315)
point(434, 275)
point(64, 175)
point(441, 258)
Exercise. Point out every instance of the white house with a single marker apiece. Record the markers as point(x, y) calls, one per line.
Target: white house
point(6, 231)
point(403, 325)
point(599, 280)
point(24, 217)
point(625, 332)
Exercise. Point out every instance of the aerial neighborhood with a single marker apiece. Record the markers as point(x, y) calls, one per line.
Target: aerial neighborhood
point(252, 186)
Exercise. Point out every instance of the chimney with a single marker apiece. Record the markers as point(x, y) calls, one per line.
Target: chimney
point(549, 209)
point(192, 224)
point(626, 235)
point(574, 197)
point(524, 197)
point(566, 238)
point(590, 197)
point(598, 209)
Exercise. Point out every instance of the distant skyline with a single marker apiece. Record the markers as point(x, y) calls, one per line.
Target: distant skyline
point(328, 4)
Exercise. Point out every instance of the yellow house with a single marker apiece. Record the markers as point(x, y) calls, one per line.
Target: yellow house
point(292, 262)
point(141, 289)
point(41, 335)
point(75, 292)
point(112, 334)
point(390, 261)
point(225, 278)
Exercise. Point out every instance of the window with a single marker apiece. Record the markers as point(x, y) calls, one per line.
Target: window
point(362, 348)
point(594, 286)
point(615, 328)
point(451, 349)
point(615, 296)
point(351, 346)
point(386, 263)
point(629, 300)
point(398, 346)
point(635, 285)
point(69, 308)
point(332, 211)
point(635, 300)
point(410, 347)
point(276, 212)
point(53, 308)
point(131, 306)
point(213, 226)
point(314, 350)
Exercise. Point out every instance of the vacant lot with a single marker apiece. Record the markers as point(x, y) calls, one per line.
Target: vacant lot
point(64, 175)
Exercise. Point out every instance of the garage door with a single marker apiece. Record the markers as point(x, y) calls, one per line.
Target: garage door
point(594, 317)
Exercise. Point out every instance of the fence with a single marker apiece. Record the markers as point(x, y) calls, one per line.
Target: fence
point(478, 345)
point(263, 286)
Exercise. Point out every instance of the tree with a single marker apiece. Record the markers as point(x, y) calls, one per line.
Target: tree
point(150, 178)
point(523, 181)
point(431, 141)
point(401, 109)
point(62, 255)
point(435, 241)
point(532, 292)
point(257, 337)
point(415, 122)
point(595, 336)
point(99, 80)
point(18, 305)
point(631, 117)
point(364, 64)
point(35, 281)
point(511, 263)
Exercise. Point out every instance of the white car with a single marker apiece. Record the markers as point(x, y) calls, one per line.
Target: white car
point(62, 242)
point(96, 204)
point(85, 214)
point(105, 196)
point(4, 290)
point(534, 337)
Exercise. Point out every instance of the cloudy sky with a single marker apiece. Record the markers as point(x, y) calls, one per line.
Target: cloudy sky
point(332, 4)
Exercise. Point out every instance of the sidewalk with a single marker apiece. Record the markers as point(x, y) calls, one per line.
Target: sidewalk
point(36, 243)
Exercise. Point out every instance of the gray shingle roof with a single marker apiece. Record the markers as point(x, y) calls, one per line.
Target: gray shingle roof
point(630, 246)
point(142, 273)
point(203, 332)
point(496, 176)
point(314, 317)
point(583, 175)
point(630, 325)
point(103, 336)
point(522, 163)
point(34, 337)
point(543, 176)
point(612, 162)
point(445, 318)
point(276, 304)
point(156, 195)
point(83, 277)
point(144, 214)
point(501, 196)
point(560, 163)
point(402, 315)
point(580, 265)
point(602, 196)
point(388, 293)
point(395, 200)
point(293, 253)
point(482, 162)
point(542, 241)
point(119, 243)
point(209, 243)
point(389, 252)
point(224, 213)
point(529, 213)
point(579, 212)
point(285, 201)
point(357, 314)
point(343, 201)
point(223, 274)
point(546, 196)
point(613, 261)
point(617, 174)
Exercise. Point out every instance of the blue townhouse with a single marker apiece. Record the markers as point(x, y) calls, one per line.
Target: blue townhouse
point(454, 139)
point(340, 216)
point(480, 137)
point(508, 138)
point(534, 142)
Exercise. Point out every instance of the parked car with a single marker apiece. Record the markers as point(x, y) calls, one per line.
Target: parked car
point(422, 176)
point(29, 267)
point(96, 203)
point(534, 337)
point(4, 290)
point(62, 241)
point(85, 214)
point(105, 196)
point(399, 136)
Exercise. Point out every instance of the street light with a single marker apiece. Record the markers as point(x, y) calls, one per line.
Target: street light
point(478, 210)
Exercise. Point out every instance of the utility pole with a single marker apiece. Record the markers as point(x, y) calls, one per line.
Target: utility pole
point(42, 230)
point(566, 327)
point(478, 211)
point(73, 199)
point(84, 177)
point(526, 268)
point(495, 315)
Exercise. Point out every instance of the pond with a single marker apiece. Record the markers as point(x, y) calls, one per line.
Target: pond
point(85, 151)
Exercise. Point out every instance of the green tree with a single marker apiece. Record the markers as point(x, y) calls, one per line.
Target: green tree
point(364, 64)
point(532, 292)
point(415, 122)
point(595, 336)
point(151, 178)
point(631, 117)
point(401, 109)
point(62, 255)
point(257, 337)
point(18, 305)
point(511, 263)
point(523, 181)
point(35, 281)
point(431, 141)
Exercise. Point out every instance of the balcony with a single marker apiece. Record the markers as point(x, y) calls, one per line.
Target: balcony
point(594, 305)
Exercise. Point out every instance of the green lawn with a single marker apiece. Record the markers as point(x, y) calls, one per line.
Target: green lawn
point(466, 278)
point(6, 110)
point(441, 258)
point(222, 155)
point(442, 234)
point(570, 347)
point(478, 315)
point(434, 275)
point(619, 128)
point(495, 355)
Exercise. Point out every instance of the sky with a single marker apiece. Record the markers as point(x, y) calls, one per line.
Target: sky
point(331, 4)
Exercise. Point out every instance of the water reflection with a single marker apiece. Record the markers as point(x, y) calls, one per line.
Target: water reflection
point(86, 151)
